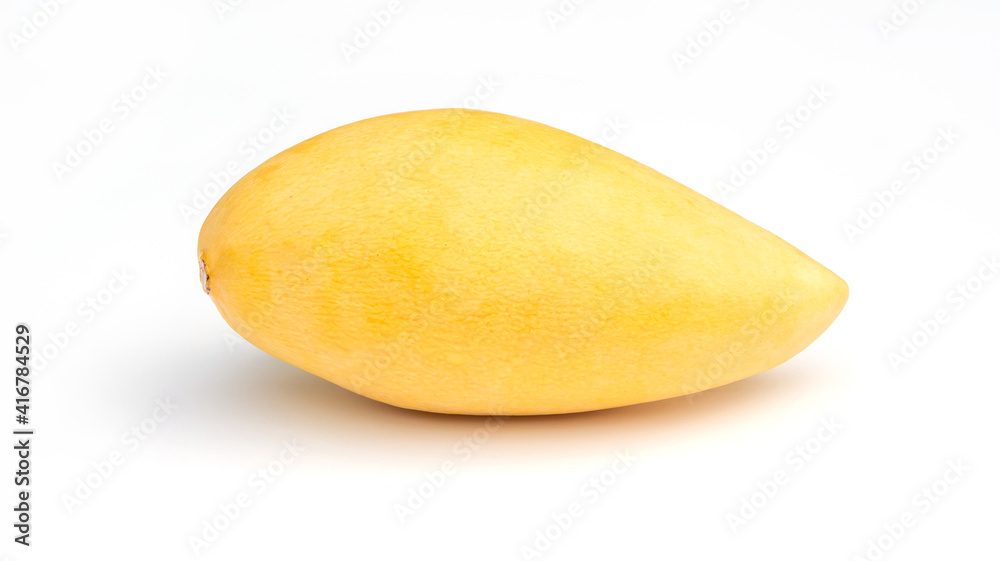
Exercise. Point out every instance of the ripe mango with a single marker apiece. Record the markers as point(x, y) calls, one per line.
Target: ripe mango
point(470, 262)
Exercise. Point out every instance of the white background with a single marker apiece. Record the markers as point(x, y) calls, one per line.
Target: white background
point(137, 199)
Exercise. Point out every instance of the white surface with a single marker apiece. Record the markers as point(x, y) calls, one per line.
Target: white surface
point(161, 338)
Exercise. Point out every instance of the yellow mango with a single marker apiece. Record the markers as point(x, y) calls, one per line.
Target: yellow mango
point(470, 262)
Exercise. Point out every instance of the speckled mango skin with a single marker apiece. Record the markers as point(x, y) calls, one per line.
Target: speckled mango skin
point(469, 262)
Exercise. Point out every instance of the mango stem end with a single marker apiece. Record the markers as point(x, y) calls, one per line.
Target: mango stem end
point(204, 276)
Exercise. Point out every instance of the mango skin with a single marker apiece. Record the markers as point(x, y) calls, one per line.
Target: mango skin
point(469, 262)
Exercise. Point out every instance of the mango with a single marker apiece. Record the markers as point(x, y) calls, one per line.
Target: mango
point(469, 262)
